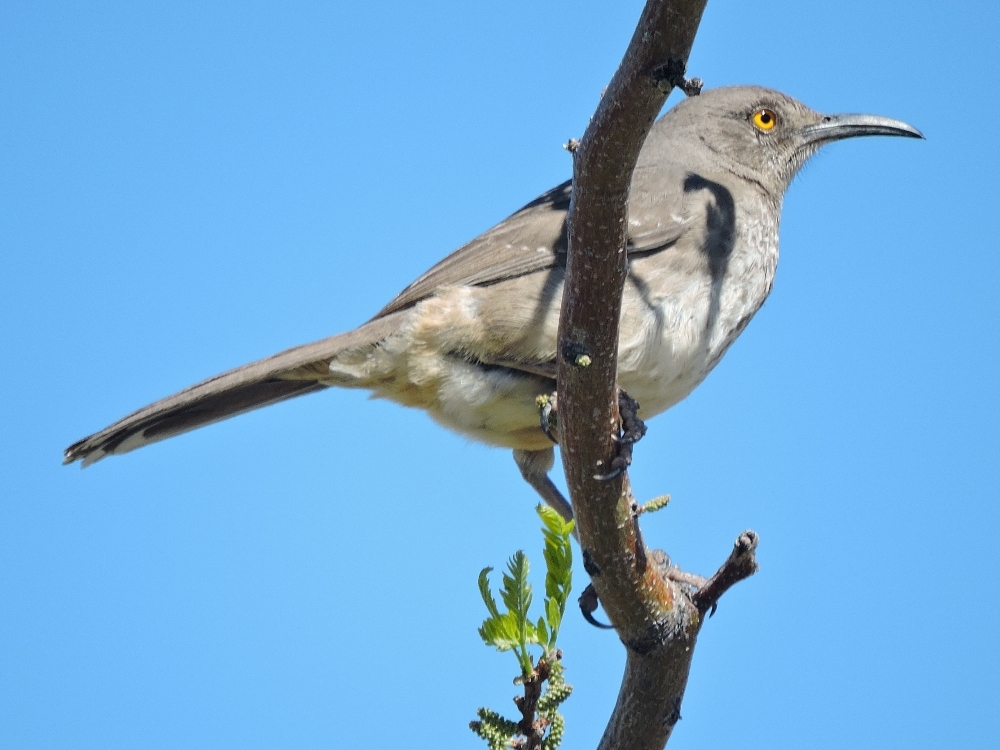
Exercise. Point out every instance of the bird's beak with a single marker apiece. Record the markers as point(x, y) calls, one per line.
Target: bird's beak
point(838, 127)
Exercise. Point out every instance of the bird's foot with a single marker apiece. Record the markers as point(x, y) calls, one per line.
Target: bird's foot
point(547, 406)
point(588, 605)
point(633, 429)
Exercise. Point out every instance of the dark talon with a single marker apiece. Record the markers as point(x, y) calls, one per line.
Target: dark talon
point(615, 472)
point(589, 565)
point(711, 612)
point(547, 412)
point(588, 605)
point(596, 623)
point(633, 429)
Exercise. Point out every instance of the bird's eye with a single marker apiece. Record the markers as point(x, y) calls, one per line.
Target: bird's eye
point(764, 119)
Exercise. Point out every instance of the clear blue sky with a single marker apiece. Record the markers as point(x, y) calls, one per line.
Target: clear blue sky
point(185, 187)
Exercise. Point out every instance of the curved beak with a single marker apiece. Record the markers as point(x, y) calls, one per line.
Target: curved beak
point(838, 127)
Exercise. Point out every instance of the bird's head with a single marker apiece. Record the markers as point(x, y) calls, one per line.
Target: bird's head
point(761, 134)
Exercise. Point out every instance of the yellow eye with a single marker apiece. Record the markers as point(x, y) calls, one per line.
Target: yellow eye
point(764, 119)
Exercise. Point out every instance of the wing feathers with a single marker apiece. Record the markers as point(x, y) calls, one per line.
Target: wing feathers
point(533, 239)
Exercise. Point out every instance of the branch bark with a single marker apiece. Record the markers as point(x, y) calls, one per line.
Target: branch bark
point(657, 617)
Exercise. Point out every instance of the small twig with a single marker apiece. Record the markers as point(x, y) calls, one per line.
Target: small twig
point(533, 729)
point(742, 563)
point(672, 74)
point(689, 579)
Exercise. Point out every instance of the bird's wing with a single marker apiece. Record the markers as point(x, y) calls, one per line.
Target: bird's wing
point(657, 217)
point(655, 238)
point(532, 239)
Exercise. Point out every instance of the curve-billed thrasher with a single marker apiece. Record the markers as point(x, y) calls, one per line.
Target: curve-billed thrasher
point(473, 340)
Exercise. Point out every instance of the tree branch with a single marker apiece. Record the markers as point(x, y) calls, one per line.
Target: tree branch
point(742, 564)
point(657, 617)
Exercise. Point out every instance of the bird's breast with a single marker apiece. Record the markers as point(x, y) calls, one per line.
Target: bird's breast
point(681, 315)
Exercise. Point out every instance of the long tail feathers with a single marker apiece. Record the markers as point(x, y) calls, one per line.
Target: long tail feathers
point(291, 373)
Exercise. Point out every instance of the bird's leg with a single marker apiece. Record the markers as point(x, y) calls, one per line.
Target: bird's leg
point(633, 429)
point(535, 466)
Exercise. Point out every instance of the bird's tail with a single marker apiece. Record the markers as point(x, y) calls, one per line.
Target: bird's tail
point(291, 373)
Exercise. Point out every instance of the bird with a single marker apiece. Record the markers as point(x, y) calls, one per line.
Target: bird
point(473, 340)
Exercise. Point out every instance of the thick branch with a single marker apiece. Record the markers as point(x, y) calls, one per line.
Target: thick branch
point(654, 616)
point(595, 278)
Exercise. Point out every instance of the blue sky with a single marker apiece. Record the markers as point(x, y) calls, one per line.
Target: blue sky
point(190, 186)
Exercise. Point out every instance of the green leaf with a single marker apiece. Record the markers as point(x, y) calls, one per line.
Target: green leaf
point(512, 630)
point(543, 632)
point(500, 632)
point(554, 615)
point(558, 554)
point(530, 632)
point(516, 593)
point(484, 591)
point(557, 563)
point(553, 521)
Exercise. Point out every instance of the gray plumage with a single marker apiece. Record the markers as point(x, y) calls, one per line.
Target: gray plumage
point(472, 341)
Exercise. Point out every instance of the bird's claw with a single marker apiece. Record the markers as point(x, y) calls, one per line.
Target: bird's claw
point(588, 605)
point(547, 413)
point(633, 430)
point(616, 471)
